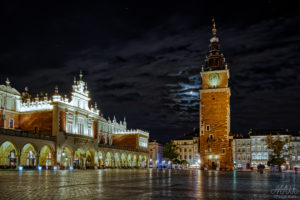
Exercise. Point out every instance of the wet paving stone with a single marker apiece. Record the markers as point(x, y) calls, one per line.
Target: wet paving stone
point(147, 184)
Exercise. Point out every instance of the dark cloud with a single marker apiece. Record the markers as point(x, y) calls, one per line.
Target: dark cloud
point(147, 67)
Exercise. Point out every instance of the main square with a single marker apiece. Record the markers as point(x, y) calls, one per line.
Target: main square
point(149, 100)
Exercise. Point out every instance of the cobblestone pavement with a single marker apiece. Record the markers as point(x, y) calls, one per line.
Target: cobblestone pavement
point(147, 184)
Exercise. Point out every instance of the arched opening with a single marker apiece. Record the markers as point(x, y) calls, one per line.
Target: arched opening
point(78, 161)
point(145, 162)
point(108, 162)
point(90, 159)
point(100, 159)
point(117, 160)
point(8, 155)
point(66, 158)
point(140, 162)
point(46, 157)
point(134, 161)
point(129, 160)
point(123, 160)
point(28, 156)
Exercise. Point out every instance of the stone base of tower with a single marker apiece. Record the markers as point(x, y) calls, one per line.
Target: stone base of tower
point(212, 161)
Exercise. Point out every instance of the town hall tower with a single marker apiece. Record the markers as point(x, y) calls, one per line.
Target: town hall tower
point(215, 142)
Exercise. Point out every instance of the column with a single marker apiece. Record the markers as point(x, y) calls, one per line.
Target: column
point(84, 163)
point(37, 160)
point(72, 161)
point(18, 160)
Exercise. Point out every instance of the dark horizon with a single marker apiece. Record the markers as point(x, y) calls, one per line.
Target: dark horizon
point(143, 60)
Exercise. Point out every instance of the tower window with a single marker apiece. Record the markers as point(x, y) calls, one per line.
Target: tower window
point(207, 127)
point(223, 150)
point(11, 123)
point(36, 129)
point(211, 137)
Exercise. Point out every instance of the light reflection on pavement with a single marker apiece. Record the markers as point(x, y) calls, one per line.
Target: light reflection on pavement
point(143, 184)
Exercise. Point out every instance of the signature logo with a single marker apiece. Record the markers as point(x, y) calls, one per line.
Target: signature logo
point(285, 191)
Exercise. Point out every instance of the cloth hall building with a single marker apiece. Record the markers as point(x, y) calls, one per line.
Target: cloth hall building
point(65, 132)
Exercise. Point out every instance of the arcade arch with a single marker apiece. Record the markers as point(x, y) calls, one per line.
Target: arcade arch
point(28, 156)
point(100, 159)
point(116, 160)
point(123, 160)
point(66, 157)
point(8, 155)
point(79, 159)
point(90, 156)
point(46, 157)
point(108, 159)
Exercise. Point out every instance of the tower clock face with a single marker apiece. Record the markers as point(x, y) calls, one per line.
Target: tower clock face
point(214, 78)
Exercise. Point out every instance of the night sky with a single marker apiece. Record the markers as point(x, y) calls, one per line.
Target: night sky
point(143, 59)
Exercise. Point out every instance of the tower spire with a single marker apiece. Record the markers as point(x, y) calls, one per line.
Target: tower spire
point(215, 59)
point(214, 30)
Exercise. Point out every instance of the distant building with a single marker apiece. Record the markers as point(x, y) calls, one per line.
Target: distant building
point(260, 152)
point(241, 151)
point(156, 159)
point(188, 149)
point(295, 152)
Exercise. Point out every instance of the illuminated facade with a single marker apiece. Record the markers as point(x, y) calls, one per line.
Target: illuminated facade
point(71, 130)
point(156, 158)
point(215, 142)
point(260, 152)
point(188, 149)
point(241, 152)
point(252, 150)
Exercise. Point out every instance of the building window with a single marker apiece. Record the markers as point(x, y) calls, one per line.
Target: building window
point(90, 132)
point(211, 137)
point(143, 142)
point(207, 128)
point(190, 150)
point(258, 148)
point(190, 157)
point(180, 157)
point(223, 150)
point(184, 150)
point(185, 157)
point(80, 128)
point(36, 129)
point(69, 128)
point(11, 123)
point(179, 150)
